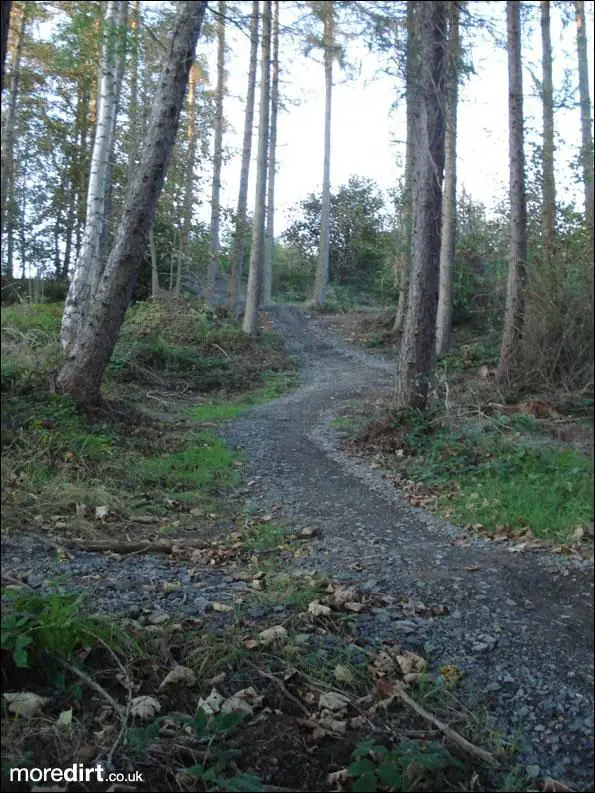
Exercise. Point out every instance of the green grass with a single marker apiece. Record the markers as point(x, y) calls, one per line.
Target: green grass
point(492, 475)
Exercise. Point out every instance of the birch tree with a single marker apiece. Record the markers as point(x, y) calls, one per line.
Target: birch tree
point(250, 323)
point(449, 199)
point(270, 219)
point(419, 335)
point(241, 226)
point(586, 118)
point(89, 266)
point(90, 351)
point(548, 218)
point(5, 20)
point(217, 154)
point(517, 264)
point(322, 270)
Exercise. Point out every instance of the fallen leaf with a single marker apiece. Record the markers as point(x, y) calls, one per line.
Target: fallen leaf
point(342, 595)
point(471, 568)
point(272, 635)
point(144, 707)
point(214, 681)
point(257, 584)
point(179, 676)
point(410, 662)
point(352, 605)
point(65, 717)
point(339, 779)
point(24, 703)
point(236, 704)
point(223, 608)
point(317, 609)
point(451, 673)
point(331, 700)
point(308, 533)
point(212, 703)
point(383, 665)
point(101, 512)
point(343, 674)
point(250, 644)
point(334, 725)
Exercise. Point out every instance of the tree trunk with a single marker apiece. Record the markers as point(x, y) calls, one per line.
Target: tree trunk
point(82, 374)
point(135, 20)
point(9, 121)
point(89, 266)
point(517, 265)
point(121, 49)
point(416, 357)
point(548, 219)
point(267, 287)
point(449, 198)
point(241, 229)
point(250, 324)
point(6, 4)
point(586, 120)
point(154, 270)
point(189, 189)
point(405, 259)
point(217, 155)
point(322, 270)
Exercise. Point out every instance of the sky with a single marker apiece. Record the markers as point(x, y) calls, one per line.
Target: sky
point(368, 132)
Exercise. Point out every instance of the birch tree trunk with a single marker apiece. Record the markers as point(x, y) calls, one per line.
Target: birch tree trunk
point(217, 155)
point(322, 270)
point(6, 6)
point(241, 229)
point(9, 122)
point(405, 259)
point(89, 266)
point(250, 324)
point(449, 198)
point(83, 372)
point(267, 286)
point(586, 118)
point(133, 125)
point(548, 219)
point(189, 189)
point(417, 352)
point(517, 265)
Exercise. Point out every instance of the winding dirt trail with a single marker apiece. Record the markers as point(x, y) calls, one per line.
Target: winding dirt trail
point(520, 626)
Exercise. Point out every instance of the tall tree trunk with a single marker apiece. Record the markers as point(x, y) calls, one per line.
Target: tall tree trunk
point(9, 120)
point(133, 125)
point(217, 154)
point(250, 324)
point(241, 229)
point(6, 5)
point(154, 269)
point(548, 219)
point(417, 352)
point(89, 266)
point(189, 189)
point(405, 258)
point(586, 119)
point(322, 270)
point(83, 372)
point(267, 285)
point(517, 265)
point(449, 198)
point(121, 50)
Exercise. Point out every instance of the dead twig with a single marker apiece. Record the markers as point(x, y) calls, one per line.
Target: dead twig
point(94, 685)
point(282, 687)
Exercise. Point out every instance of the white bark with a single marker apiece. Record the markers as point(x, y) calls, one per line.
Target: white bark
point(270, 220)
point(250, 324)
point(322, 270)
point(87, 359)
point(449, 198)
point(517, 264)
point(217, 154)
point(548, 219)
point(586, 118)
point(88, 269)
point(241, 229)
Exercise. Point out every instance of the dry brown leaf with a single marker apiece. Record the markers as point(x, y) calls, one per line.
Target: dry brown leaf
point(223, 608)
point(411, 663)
point(179, 676)
point(333, 725)
point(471, 568)
point(383, 665)
point(65, 718)
point(250, 644)
point(333, 701)
point(351, 605)
point(24, 703)
point(342, 594)
point(276, 634)
point(211, 704)
point(317, 609)
point(144, 707)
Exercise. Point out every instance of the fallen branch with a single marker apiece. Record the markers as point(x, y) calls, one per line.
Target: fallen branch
point(281, 685)
point(118, 546)
point(454, 736)
point(94, 685)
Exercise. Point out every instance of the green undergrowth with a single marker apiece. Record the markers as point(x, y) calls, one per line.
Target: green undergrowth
point(499, 474)
point(130, 455)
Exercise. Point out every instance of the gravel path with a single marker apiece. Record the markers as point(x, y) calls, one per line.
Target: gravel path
point(520, 626)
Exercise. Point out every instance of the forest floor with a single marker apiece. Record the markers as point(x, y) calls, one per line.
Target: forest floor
point(269, 551)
